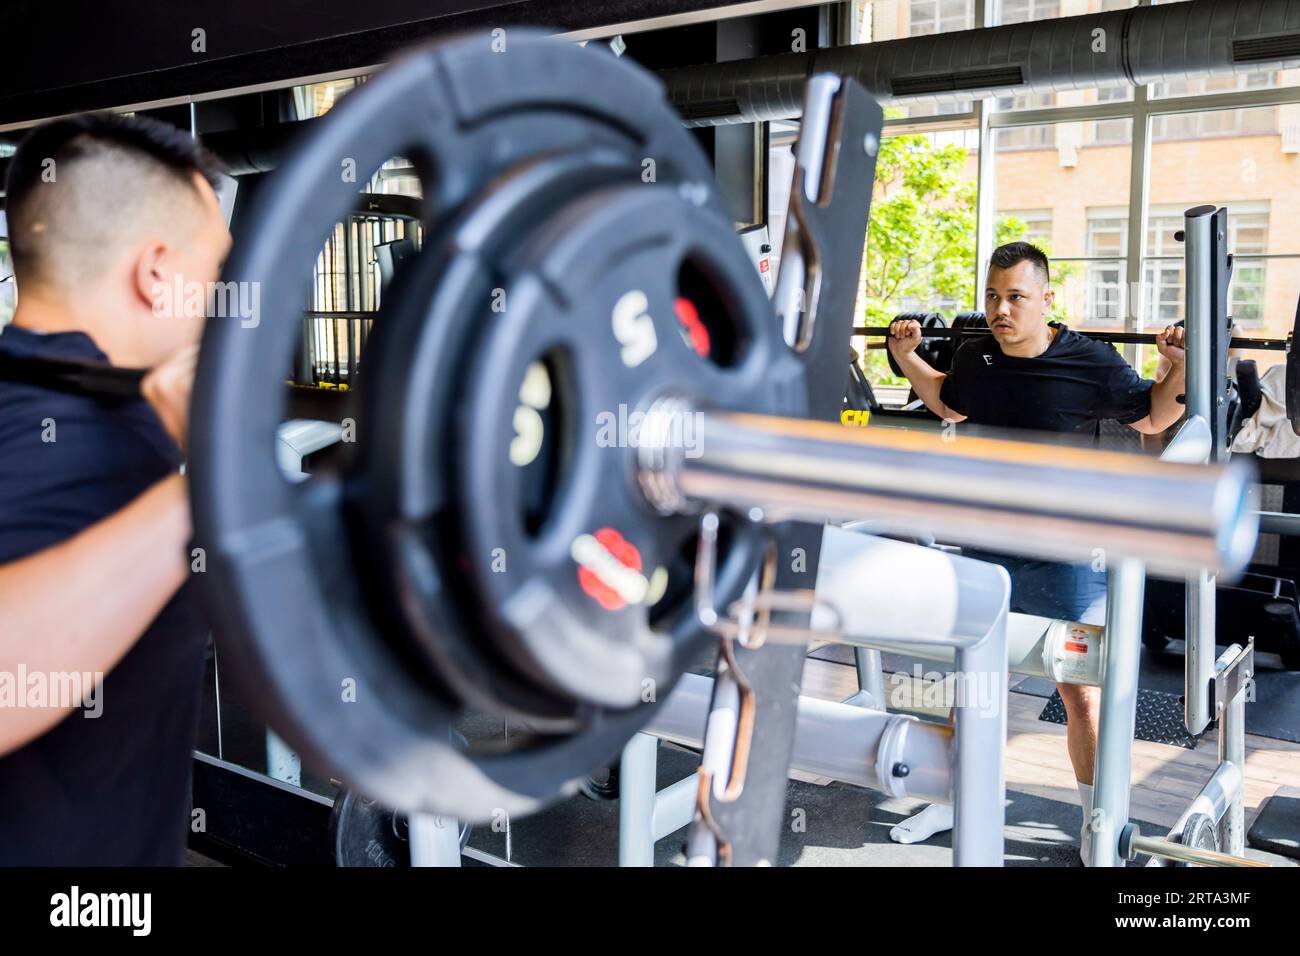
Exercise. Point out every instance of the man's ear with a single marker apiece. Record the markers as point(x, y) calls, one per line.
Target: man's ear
point(150, 282)
point(1048, 298)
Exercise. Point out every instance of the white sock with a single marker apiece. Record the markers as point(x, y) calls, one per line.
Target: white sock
point(935, 818)
point(1085, 834)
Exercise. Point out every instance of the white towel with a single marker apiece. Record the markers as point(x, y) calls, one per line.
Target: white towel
point(1268, 432)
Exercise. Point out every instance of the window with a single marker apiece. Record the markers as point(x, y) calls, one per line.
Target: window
point(1027, 225)
point(1254, 172)
point(1027, 11)
point(1065, 186)
point(1023, 11)
point(1164, 271)
point(1026, 137)
point(1261, 121)
point(1069, 176)
point(876, 20)
point(1107, 252)
point(316, 99)
point(939, 16)
point(1229, 83)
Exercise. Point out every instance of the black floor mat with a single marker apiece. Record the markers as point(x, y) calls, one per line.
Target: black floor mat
point(1275, 711)
point(1159, 718)
point(1277, 828)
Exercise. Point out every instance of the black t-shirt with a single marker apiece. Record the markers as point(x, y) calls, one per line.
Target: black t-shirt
point(112, 789)
point(1074, 384)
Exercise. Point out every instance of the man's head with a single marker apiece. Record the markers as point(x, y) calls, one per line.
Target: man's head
point(1017, 299)
point(105, 212)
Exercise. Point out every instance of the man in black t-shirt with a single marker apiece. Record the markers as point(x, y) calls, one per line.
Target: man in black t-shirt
point(1039, 375)
point(106, 216)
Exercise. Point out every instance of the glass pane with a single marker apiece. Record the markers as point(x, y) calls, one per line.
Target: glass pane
point(920, 248)
point(1279, 123)
point(1063, 171)
point(875, 20)
point(1025, 11)
point(1093, 292)
point(1228, 83)
point(1050, 184)
point(317, 99)
point(1261, 299)
point(1249, 164)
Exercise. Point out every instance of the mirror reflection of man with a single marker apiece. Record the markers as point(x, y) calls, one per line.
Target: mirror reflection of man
point(1036, 374)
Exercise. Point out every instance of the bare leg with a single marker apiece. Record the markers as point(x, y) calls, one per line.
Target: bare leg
point(1082, 715)
point(1081, 711)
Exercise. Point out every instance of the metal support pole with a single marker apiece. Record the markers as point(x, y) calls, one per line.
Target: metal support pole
point(981, 739)
point(871, 678)
point(1232, 751)
point(636, 796)
point(1199, 248)
point(1198, 665)
point(435, 840)
point(1119, 688)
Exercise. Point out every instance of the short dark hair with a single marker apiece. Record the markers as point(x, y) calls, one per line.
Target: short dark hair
point(165, 150)
point(1014, 253)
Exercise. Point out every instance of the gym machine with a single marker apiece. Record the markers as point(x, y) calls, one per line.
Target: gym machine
point(450, 565)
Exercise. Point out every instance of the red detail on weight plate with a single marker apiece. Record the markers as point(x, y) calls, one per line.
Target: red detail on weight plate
point(689, 317)
point(1079, 648)
point(763, 265)
point(590, 582)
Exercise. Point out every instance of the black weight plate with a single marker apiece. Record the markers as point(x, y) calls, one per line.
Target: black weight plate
point(938, 352)
point(282, 570)
point(597, 288)
point(903, 317)
point(399, 491)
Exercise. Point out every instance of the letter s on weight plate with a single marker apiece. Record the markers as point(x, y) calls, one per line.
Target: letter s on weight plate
point(634, 328)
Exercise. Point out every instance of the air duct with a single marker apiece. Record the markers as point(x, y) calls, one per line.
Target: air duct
point(1120, 48)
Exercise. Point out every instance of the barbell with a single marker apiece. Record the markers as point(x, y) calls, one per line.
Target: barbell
point(577, 373)
point(977, 324)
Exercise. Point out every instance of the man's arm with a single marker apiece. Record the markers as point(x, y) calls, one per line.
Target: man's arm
point(904, 337)
point(80, 605)
point(1165, 407)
